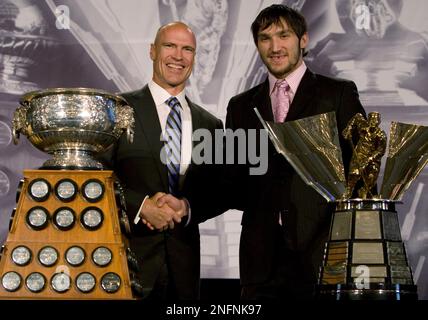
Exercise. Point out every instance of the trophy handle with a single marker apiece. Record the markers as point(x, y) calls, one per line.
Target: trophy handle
point(19, 123)
point(125, 122)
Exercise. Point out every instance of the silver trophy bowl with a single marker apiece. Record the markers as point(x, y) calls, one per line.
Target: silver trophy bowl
point(72, 124)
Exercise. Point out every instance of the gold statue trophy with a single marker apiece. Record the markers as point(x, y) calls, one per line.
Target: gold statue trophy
point(367, 155)
point(364, 258)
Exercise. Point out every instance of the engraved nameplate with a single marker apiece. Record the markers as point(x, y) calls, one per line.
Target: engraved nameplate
point(391, 227)
point(371, 272)
point(367, 225)
point(342, 223)
point(367, 253)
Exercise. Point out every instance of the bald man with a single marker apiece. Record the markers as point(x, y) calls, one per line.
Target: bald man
point(168, 249)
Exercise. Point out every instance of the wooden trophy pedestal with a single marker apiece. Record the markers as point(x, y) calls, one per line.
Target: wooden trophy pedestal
point(65, 240)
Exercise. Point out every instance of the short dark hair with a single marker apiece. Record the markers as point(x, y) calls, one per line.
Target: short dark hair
point(274, 14)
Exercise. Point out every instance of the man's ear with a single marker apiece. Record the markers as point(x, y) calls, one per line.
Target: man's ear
point(304, 40)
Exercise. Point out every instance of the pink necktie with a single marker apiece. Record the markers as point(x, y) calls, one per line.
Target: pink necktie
point(282, 96)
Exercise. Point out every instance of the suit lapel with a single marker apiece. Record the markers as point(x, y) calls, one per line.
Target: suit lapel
point(261, 101)
point(196, 118)
point(196, 124)
point(301, 105)
point(148, 117)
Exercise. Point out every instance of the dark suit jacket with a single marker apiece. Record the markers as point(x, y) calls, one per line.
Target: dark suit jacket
point(307, 214)
point(140, 170)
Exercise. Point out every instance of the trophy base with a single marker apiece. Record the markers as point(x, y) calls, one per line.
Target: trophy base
point(72, 160)
point(375, 292)
point(40, 258)
point(365, 257)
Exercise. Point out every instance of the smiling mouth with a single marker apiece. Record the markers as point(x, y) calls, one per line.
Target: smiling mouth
point(175, 66)
point(276, 58)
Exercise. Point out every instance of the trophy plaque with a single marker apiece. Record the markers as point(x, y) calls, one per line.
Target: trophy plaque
point(365, 257)
point(68, 234)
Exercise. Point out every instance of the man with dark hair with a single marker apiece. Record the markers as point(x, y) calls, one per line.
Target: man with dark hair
point(274, 15)
point(285, 222)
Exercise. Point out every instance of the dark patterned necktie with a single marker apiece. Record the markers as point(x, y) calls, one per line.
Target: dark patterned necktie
point(173, 143)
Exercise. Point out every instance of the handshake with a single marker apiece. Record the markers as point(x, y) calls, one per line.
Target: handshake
point(162, 211)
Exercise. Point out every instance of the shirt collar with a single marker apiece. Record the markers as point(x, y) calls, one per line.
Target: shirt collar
point(293, 79)
point(160, 95)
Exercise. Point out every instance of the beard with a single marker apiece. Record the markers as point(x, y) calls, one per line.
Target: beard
point(292, 63)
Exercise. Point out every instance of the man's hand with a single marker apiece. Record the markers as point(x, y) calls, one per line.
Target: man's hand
point(155, 216)
point(179, 206)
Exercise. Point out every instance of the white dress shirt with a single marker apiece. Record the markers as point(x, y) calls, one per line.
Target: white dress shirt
point(160, 96)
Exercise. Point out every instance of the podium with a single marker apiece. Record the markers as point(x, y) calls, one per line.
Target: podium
point(68, 239)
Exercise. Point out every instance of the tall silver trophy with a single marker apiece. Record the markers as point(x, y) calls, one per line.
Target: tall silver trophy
point(71, 212)
point(72, 124)
point(365, 257)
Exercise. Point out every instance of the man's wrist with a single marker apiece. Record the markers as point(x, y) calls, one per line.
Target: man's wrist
point(188, 211)
point(137, 216)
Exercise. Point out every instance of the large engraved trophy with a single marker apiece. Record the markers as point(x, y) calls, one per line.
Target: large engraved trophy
point(365, 257)
point(72, 125)
point(68, 234)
